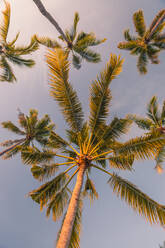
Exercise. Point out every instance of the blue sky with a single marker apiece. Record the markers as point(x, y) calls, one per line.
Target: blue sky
point(108, 222)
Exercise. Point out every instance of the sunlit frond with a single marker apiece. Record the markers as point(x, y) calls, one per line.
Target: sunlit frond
point(127, 45)
point(73, 30)
point(127, 36)
point(121, 162)
point(157, 19)
point(152, 110)
point(100, 93)
point(90, 190)
point(62, 91)
point(143, 123)
point(23, 50)
point(11, 127)
point(47, 42)
point(56, 141)
point(140, 202)
point(138, 19)
point(44, 172)
point(6, 21)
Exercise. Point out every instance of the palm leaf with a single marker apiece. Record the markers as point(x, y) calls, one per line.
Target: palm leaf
point(88, 54)
point(11, 127)
point(128, 45)
point(58, 204)
point(143, 123)
point(141, 147)
point(152, 110)
point(10, 44)
point(62, 91)
point(157, 19)
point(90, 190)
point(24, 50)
point(7, 72)
point(73, 30)
point(47, 42)
point(142, 62)
point(127, 36)
point(100, 94)
point(4, 28)
point(76, 61)
point(57, 142)
point(140, 202)
point(47, 191)
point(160, 158)
point(138, 19)
point(121, 162)
point(44, 172)
point(16, 59)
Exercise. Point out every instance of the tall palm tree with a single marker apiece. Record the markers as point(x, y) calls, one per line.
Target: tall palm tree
point(90, 145)
point(32, 129)
point(76, 43)
point(155, 121)
point(9, 52)
point(148, 43)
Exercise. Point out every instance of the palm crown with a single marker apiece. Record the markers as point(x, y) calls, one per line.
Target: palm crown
point(77, 43)
point(32, 129)
point(148, 43)
point(9, 52)
point(89, 146)
point(155, 121)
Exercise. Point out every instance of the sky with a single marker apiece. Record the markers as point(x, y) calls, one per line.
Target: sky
point(108, 222)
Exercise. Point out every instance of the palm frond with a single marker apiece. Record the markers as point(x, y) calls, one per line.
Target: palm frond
point(87, 41)
point(44, 172)
point(88, 54)
point(24, 50)
point(100, 93)
point(90, 190)
point(11, 127)
point(16, 59)
point(47, 191)
point(76, 61)
point(143, 123)
point(4, 28)
point(73, 30)
point(157, 19)
point(127, 36)
point(58, 204)
point(138, 19)
point(10, 44)
point(46, 41)
point(7, 72)
point(31, 155)
point(12, 152)
point(57, 142)
point(142, 62)
point(62, 91)
point(160, 158)
point(152, 110)
point(121, 162)
point(140, 202)
point(127, 45)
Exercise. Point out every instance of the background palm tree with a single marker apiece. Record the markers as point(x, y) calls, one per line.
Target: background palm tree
point(32, 129)
point(148, 43)
point(89, 146)
point(155, 121)
point(76, 43)
point(9, 52)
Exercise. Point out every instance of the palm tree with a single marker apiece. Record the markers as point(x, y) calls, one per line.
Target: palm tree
point(155, 121)
point(76, 43)
point(32, 129)
point(148, 43)
point(9, 52)
point(89, 146)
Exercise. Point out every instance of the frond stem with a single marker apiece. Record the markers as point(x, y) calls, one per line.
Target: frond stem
point(95, 166)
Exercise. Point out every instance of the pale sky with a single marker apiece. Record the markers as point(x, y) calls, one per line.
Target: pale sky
point(108, 222)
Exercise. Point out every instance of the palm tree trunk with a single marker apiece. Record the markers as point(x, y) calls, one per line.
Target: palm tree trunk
point(159, 21)
point(50, 18)
point(66, 230)
point(12, 147)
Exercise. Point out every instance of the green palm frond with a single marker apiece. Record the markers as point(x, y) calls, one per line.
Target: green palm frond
point(138, 19)
point(88, 54)
point(58, 204)
point(157, 19)
point(127, 36)
point(142, 62)
point(16, 59)
point(127, 45)
point(100, 93)
point(73, 30)
point(76, 61)
point(7, 72)
point(140, 202)
point(90, 190)
point(160, 158)
point(12, 152)
point(152, 110)
point(24, 50)
point(62, 91)
point(4, 28)
point(121, 162)
point(44, 172)
point(141, 147)
point(11, 127)
point(31, 155)
point(143, 123)
point(46, 41)
point(47, 191)
point(87, 41)
point(76, 230)
point(11, 43)
point(55, 141)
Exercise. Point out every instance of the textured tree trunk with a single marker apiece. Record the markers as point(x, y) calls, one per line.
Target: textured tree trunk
point(50, 18)
point(12, 147)
point(66, 230)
